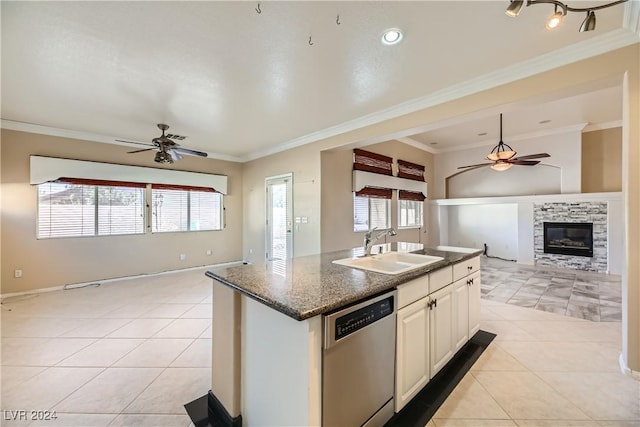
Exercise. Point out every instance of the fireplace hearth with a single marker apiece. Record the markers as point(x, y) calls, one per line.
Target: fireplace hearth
point(568, 238)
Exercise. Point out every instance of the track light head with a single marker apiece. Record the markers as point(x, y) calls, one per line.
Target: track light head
point(514, 8)
point(589, 23)
point(554, 20)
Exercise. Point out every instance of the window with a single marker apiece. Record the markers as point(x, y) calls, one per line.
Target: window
point(73, 209)
point(370, 212)
point(184, 209)
point(409, 213)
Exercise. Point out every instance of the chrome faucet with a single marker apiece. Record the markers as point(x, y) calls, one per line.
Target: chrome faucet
point(370, 238)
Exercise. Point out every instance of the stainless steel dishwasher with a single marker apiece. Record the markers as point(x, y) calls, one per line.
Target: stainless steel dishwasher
point(358, 364)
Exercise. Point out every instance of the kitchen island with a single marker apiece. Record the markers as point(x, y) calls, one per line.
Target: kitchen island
point(268, 328)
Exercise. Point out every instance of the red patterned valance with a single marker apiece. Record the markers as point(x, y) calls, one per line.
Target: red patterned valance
point(372, 162)
point(410, 170)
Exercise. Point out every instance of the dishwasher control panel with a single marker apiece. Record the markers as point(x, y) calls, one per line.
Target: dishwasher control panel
point(358, 319)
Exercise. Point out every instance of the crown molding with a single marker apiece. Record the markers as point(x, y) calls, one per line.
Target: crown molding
point(631, 19)
point(86, 136)
point(595, 46)
point(580, 127)
point(602, 126)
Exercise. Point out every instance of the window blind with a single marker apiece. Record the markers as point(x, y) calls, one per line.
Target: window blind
point(410, 195)
point(409, 213)
point(185, 208)
point(75, 209)
point(372, 162)
point(410, 170)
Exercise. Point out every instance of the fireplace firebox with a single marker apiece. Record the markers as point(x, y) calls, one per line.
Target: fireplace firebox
point(568, 238)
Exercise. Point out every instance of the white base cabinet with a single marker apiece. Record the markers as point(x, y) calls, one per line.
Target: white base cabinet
point(412, 351)
point(441, 331)
point(474, 303)
point(431, 329)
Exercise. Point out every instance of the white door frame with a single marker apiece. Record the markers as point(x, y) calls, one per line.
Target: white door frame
point(274, 180)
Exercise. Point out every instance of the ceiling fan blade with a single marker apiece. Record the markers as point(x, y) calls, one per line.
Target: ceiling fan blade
point(475, 166)
point(140, 151)
point(532, 156)
point(524, 162)
point(191, 152)
point(134, 142)
point(174, 154)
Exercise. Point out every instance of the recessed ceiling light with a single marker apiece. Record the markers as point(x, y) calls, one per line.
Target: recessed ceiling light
point(391, 36)
point(482, 134)
point(544, 121)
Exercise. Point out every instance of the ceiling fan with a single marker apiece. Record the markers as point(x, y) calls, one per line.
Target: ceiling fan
point(503, 157)
point(168, 150)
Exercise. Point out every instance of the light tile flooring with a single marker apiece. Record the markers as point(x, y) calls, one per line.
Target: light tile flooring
point(131, 353)
point(596, 297)
point(126, 353)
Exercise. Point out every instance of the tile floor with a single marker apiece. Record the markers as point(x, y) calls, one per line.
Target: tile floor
point(596, 297)
point(131, 353)
point(126, 353)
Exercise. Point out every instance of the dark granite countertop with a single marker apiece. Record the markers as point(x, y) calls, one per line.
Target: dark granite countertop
point(306, 286)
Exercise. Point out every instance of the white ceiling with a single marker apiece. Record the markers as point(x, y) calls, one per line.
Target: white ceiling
point(241, 84)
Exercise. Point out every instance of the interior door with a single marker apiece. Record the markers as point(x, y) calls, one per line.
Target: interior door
point(279, 243)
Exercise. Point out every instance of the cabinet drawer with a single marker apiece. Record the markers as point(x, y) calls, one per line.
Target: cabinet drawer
point(413, 291)
point(440, 278)
point(464, 268)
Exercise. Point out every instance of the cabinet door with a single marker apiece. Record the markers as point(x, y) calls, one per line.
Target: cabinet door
point(441, 328)
point(474, 303)
point(412, 351)
point(461, 313)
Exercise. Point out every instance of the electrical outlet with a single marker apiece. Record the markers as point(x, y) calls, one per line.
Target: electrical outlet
point(183, 257)
point(209, 252)
point(17, 274)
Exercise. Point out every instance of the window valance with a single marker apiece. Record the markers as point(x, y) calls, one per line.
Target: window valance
point(375, 193)
point(372, 162)
point(411, 195)
point(410, 170)
point(51, 169)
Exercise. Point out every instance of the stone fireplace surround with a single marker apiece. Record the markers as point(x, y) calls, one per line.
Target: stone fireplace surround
point(594, 212)
point(516, 217)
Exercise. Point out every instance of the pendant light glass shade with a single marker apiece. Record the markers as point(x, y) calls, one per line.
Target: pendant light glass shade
point(589, 23)
point(501, 166)
point(514, 8)
point(501, 154)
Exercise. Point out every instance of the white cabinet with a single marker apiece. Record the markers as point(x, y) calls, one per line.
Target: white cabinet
point(461, 317)
point(474, 303)
point(466, 293)
point(437, 314)
point(412, 351)
point(441, 328)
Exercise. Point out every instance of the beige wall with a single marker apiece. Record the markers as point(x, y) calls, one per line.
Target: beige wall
point(55, 262)
point(337, 197)
point(304, 164)
point(602, 161)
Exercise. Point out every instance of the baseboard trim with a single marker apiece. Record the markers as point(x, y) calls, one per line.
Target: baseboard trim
point(218, 414)
point(628, 371)
point(114, 279)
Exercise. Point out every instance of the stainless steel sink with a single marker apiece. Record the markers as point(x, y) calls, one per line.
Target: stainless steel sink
point(390, 262)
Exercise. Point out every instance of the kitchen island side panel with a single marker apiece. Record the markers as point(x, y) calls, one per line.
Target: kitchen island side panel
point(281, 367)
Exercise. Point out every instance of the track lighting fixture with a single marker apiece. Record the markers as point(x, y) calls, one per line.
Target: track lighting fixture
point(589, 23)
point(561, 9)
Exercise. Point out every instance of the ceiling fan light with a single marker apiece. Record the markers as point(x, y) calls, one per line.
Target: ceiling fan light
point(514, 8)
point(589, 23)
point(554, 20)
point(501, 166)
